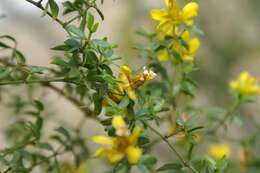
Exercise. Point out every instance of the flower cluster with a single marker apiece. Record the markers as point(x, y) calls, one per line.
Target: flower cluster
point(219, 151)
point(128, 83)
point(245, 85)
point(187, 55)
point(175, 23)
point(171, 17)
point(123, 144)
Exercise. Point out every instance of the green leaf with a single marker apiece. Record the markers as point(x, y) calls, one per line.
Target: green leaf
point(83, 22)
point(54, 8)
point(147, 159)
point(143, 140)
point(170, 166)
point(20, 58)
point(60, 62)
point(98, 104)
point(59, 139)
point(9, 38)
point(222, 164)
point(143, 169)
point(39, 105)
point(61, 48)
point(124, 102)
point(37, 127)
point(121, 168)
point(4, 73)
point(45, 11)
point(45, 145)
point(72, 44)
point(91, 59)
point(3, 45)
point(74, 72)
point(36, 69)
point(90, 21)
point(95, 27)
point(76, 31)
point(63, 131)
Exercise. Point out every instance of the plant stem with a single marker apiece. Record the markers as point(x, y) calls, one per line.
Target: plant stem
point(39, 5)
point(33, 81)
point(54, 154)
point(229, 114)
point(184, 162)
point(11, 150)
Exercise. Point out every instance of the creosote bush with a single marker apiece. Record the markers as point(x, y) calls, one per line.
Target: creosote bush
point(131, 105)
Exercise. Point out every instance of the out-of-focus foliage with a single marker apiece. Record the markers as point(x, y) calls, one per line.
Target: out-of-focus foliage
point(132, 106)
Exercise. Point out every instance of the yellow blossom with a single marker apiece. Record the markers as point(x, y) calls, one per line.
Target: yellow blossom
point(163, 55)
point(245, 85)
point(170, 17)
point(187, 54)
point(120, 146)
point(119, 124)
point(218, 151)
point(128, 83)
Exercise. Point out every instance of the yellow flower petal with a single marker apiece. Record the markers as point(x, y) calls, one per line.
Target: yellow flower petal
point(167, 26)
point(102, 140)
point(115, 157)
point(157, 14)
point(219, 151)
point(188, 58)
point(160, 35)
point(131, 94)
point(162, 55)
point(135, 135)
point(246, 85)
point(123, 81)
point(118, 122)
point(185, 35)
point(194, 45)
point(99, 153)
point(133, 154)
point(190, 10)
point(126, 70)
point(167, 2)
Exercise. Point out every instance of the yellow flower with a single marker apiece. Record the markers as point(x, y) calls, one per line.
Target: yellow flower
point(120, 146)
point(187, 54)
point(163, 55)
point(129, 83)
point(245, 85)
point(193, 44)
point(218, 151)
point(172, 16)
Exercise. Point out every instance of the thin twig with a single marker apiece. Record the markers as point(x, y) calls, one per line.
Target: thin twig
point(39, 5)
point(33, 81)
point(228, 115)
point(184, 162)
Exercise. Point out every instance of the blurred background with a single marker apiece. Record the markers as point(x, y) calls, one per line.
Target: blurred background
point(230, 44)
